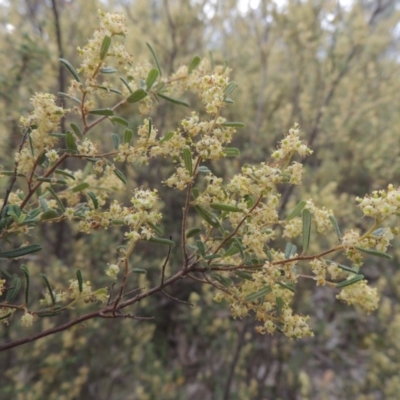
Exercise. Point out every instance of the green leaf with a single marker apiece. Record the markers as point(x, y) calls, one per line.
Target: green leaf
point(93, 198)
point(49, 214)
point(225, 207)
point(306, 229)
point(297, 210)
point(163, 241)
point(231, 152)
point(210, 218)
point(115, 138)
point(244, 275)
point(230, 89)
point(43, 203)
point(80, 280)
point(290, 249)
point(350, 281)
point(373, 252)
point(193, 64)
point(107, 70)
point(21, 251)
point(259, 294)
point(66, 95)
point(49, 180)
point(5, 316)
point(120, 175)
point(77, 130)
point(139, 271)
point(167, 137)
point(234, 249)
point(120, 121)
point(154, 57)
point(203, 169)
point(53, 299)
point(288, 286)
point(201, 247)
point(80, 187)
point(192, 232)
point(344, 267)
point(156, 228)
point(233, 124)
point(126, 83)
point(105, 46)
point(151, 78)
point(187, 159)
point(102, 111)
point(136, 96)
point(57, 199)
point(71, 142)
point(335, 226)
point(70, 68)
point(195, 192)
point(221, 279)
point(171, 100)
point(64, 173)
point(279, 305)
point(13, 290)
point(128, 135)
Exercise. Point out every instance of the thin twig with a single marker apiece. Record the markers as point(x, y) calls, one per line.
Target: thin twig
point(175, 299)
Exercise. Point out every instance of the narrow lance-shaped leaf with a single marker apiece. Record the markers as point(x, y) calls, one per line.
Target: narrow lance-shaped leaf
point(128, 135)
point(49, 214)
point(373, 252)
point(71, 142)
point(77, 130)
point(70, 68)
point(192, 232)
point(201, 247)
point(167, 137)
point(230, 89)
point(231, 152)
point(22, 251)
point(80, 280)
point(27, 282)
point(259, 294)
point(225, 207)
point(306, 229)
point(221, 279)
point(120, 121)
point(288, 286)
point(187, 159)
point(335, 226)
point(80, 187)
point(136, 96)
point(171, 100)
point(13, 290)
point(153, 53)
point(233, 124)
point(350, 281)
point(120, 175)
point(207, 216)
point(166, 242)
point(94, 199)
point(193, 64)
point(126, 83)
point(290, 250)
point(156, 228)
point(116, 140)
point(297, 210)
point(102, 111)
point(244, 275)
point(151, 78)
point(105, 46)
point(51, 293)
point(58, 200)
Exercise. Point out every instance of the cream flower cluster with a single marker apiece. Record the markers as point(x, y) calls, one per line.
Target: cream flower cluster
point(360, 294)
point(381, 203)
point(291, 144)
point(110, 25)
point(44, 120)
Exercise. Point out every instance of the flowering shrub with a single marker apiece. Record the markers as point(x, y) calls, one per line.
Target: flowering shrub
point(234, 245)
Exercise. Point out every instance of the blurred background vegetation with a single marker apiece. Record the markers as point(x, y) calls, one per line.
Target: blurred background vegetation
point(331, 66)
